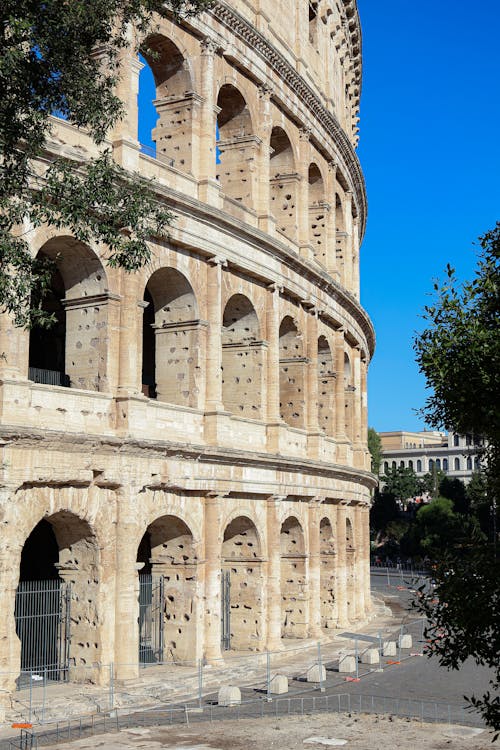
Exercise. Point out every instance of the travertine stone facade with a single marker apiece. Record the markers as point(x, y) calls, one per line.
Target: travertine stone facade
point(207, 414)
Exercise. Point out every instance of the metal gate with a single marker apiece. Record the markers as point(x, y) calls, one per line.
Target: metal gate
point(226, 610)
point(43, 615)
point(151, 618)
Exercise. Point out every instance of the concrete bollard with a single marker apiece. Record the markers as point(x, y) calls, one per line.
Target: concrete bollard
point(279, 684)
point(314, 674)
point(390, 648)
point(370, 656)
point(347, 664)
point(229, 696)
point(405, 641)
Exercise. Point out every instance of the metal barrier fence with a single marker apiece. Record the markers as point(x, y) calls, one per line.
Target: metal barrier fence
point(423, 711)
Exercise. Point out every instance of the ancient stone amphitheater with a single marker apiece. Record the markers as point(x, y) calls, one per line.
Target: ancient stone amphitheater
point(184, 455)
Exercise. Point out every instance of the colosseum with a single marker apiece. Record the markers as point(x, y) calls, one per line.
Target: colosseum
point(184, 454)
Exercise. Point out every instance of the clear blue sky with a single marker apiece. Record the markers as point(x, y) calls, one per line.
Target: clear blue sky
point(429, 147)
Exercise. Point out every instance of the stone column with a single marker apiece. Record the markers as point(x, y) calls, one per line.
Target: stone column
point(311, 400)
point(127, 594)
point(213, 551)
point(266, 221)
point(348, 241)
point(341, 593)
point(365, 519)
point(359, 579)
point(339, 386)
point(129, 352)
point(331, 226)
point(357, 416)
point(204, 170)
point(273, 642)
point(124, 135)
point(314, 509)
point(355, 257)
point(213, 398)
point(273, 367)
point(303, 224)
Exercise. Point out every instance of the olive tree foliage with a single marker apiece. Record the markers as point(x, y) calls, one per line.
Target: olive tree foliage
point(459, 354)
point(59, 57)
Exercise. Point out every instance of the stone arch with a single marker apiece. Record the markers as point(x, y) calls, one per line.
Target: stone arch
point(175, 101)
point(167, 561)
point(284, 183)
point(318, 211)
point(292, 373)
point(293, 579)
point(237, 146)
point(327, 575)
point(242, 358)
point(173, 338)
point(74, 351)
point(326, 387)
point(57, 599)
point(242, 558)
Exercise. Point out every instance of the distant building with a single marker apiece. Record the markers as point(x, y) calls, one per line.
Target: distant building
point(455, 455)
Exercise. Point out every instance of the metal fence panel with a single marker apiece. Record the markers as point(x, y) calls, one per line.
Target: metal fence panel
point(151, 619)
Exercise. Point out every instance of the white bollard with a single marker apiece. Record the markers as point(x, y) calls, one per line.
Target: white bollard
point(370, 656)
point(316, 673)
point(229, 695)
point(347, 664)
point(405, 641)
point(390, 648)
point(279, 684)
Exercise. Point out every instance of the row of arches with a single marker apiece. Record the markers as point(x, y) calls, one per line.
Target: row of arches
point(63, 549)
point(457, 463)
point(75, 351)
point(245, 158)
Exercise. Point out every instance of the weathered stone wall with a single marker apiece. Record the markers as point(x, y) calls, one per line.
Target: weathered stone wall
point(207, 413)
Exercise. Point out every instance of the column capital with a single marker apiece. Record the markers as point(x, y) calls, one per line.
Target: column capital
point(315, 502)
point(274, 287)
point(265, 92)
point(276, 499)
point(209, 46)
point(305, 134)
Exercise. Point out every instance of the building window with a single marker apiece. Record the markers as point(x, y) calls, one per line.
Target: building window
point(386, 467)
point(457, 464)
point(431, 464)
point(456, 441)
point(419, 466)
point(401, 464)
point(394, 465)
point(410, 464)
point(469, 463)
point(468, 440)
point(445, 464)
point(438, 464)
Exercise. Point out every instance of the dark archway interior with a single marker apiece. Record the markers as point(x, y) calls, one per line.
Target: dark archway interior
point(40, 554)
point(144, 554)
point(48, 345)
point(149, 348)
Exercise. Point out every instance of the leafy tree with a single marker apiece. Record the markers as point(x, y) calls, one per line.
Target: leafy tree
point(436, 526)
point(384, 510)
point(63, 57)
point(402, 483)
point(454, 489)
point(431, 481)
point(375, 448)
point(459, 354)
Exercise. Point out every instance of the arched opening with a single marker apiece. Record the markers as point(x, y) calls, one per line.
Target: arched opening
point(326, 387)
point(419, 466)
point(237, 146)
point(73, 351)
point(457, 464)
point(284, 184)
point(292, 374)
point(242, 358)
point(350, 570)
point(445, 464)
point(242, 569)
point(293, 580)
point(173, 340)
point(174, 102)
point(318, 211)
point(327, 580)
point(167, 592)
point(56, 608)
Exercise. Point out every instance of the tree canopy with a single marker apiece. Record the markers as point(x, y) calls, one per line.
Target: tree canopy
point(375, 448)
point(63, 58)
point(459, 354)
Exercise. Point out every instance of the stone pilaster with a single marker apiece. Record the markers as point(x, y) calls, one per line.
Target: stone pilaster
point(273, 584)
point(348, 281)
point(359, 579)
point(312, 421)
point(127, 595)
point(129, 353)
point(303, 228)
point(339, 386)
point(331, 228)
point(204, 170)
point(341, 592)
point(266, 221)
point(314, 510)
point(213, 399)
point(213, 547)
point(273, 367)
